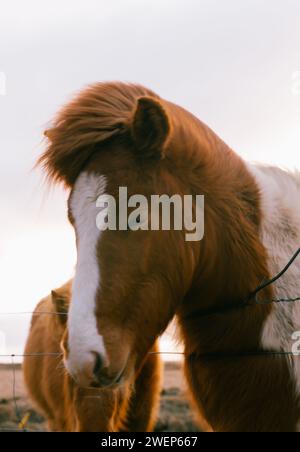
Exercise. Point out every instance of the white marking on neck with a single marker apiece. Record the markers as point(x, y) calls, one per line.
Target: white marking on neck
point(280, 233)
point(84, 337)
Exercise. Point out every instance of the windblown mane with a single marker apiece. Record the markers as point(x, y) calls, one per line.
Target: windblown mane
point(97, 114)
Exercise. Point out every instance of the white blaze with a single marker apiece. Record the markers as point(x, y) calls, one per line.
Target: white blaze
point(84, 338)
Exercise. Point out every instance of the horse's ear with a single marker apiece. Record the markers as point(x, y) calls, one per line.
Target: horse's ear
point(61, 305)
point(150, 127)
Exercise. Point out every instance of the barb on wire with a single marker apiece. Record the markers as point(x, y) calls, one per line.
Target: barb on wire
point(278, 301)
point(250, 302)
point(191, 356)
point(30, 354)
point(252, 299)
point(220, 354)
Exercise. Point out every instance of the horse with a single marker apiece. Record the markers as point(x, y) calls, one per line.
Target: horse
point(68, 407)
point(129, 284)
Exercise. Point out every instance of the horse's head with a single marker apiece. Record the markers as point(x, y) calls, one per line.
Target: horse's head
point(129, 281)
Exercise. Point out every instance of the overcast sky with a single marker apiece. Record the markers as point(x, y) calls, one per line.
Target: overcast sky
point(233, 63)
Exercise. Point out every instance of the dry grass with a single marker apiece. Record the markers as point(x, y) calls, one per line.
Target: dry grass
point(175, 413)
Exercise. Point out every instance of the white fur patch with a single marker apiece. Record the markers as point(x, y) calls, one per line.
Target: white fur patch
point(280, 234)
point(84, 338)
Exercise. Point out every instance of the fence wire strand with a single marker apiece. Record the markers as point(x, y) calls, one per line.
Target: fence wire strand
point(220, 355)
point(17, 412)
point(18, 416)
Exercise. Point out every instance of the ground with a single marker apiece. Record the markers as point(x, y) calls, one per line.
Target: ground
point(175, 413)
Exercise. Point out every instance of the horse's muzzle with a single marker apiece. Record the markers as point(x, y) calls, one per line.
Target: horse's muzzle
point(102, 378)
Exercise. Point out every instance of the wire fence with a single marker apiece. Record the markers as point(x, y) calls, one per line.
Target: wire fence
point(251, 301)
point(21, 421)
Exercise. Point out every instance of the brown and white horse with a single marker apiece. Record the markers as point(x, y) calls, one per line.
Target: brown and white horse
point(129, 285)
point(69, 408)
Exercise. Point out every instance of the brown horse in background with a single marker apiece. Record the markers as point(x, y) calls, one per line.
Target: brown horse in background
point(69, 408)
point(130, 284)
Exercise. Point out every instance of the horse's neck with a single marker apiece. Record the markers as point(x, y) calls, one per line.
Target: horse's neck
point(243, 252)
point(233, 260)
point(233, 257)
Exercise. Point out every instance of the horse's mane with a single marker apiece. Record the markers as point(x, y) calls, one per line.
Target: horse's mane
point(96, 114)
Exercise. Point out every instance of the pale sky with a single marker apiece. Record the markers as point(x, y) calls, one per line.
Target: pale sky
point(233, 63)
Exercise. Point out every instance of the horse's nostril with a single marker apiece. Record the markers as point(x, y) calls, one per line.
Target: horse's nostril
point(98, 364)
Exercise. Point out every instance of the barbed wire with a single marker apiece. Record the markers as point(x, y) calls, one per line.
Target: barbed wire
point(212, 355)
point(17, 411)
point(12, 356)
